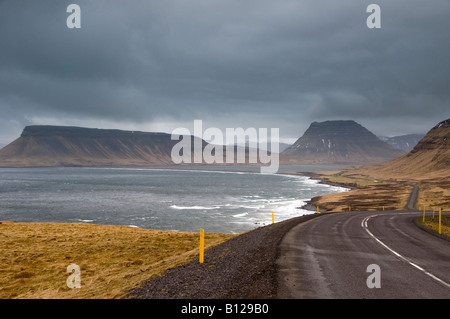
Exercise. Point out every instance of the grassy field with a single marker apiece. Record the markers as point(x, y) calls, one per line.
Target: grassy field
point(113, 259)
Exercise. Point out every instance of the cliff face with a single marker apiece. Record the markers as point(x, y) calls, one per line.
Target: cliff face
point(340, 142)
point(74, 146)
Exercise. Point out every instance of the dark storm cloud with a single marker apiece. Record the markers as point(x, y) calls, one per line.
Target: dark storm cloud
point(233, 63)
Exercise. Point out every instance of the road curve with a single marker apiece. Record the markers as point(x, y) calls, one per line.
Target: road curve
point(327, 257)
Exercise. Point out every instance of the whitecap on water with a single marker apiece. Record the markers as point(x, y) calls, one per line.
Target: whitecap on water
point(194, 207)
point(240, 215)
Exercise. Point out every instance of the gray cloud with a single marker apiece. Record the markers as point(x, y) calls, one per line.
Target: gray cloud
point(232, 63)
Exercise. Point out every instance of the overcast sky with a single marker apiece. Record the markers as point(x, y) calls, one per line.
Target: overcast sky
point(154, 65)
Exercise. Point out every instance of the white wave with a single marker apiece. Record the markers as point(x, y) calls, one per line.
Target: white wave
point(254, 200)
point(257, 207)
point(85, 220)
point(311, 181)
point(194, 207)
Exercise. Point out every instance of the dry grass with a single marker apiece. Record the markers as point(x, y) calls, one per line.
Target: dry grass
point(113, 259)
point(433, 223)
point(356, 180)
point(434, 194)
point(389, 196)
point(369, 193)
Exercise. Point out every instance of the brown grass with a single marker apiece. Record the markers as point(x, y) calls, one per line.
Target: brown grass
point(391, 197)
point(434, 194)
point(433, 223)
point(368, 193)
point(113, 259)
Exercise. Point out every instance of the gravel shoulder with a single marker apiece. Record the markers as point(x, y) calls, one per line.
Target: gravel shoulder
point(243, 267)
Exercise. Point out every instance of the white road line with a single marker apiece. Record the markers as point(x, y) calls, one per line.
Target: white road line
point(407, 260)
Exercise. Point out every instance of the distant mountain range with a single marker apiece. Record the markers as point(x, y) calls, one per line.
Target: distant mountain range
point(345, 142)
point(330, 142)
point(403, 142)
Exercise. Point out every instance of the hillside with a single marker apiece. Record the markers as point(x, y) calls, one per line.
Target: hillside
point(429, 158)
point(75, 146)
point(339, 142)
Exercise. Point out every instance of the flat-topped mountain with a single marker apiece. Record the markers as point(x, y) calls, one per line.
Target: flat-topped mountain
point(343, 142)
point(43, 145)
point(76, 146)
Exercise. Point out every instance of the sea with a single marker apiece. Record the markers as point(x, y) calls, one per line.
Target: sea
point(222, 199)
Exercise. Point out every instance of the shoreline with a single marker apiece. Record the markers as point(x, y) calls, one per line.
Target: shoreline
point(291, 206)
point(311, 204)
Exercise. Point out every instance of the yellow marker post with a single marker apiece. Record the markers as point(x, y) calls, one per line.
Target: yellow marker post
point(433, 212)
point(273, 219)
point(383, 208)
point(440, 227)
point(202, 245)
point(423, 219)
point(318, 209)
point(349, 208)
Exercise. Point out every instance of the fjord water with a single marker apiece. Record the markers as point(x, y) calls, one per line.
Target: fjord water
point(218, 200)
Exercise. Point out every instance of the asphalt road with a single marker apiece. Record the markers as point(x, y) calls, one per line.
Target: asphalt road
point(328, 257)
